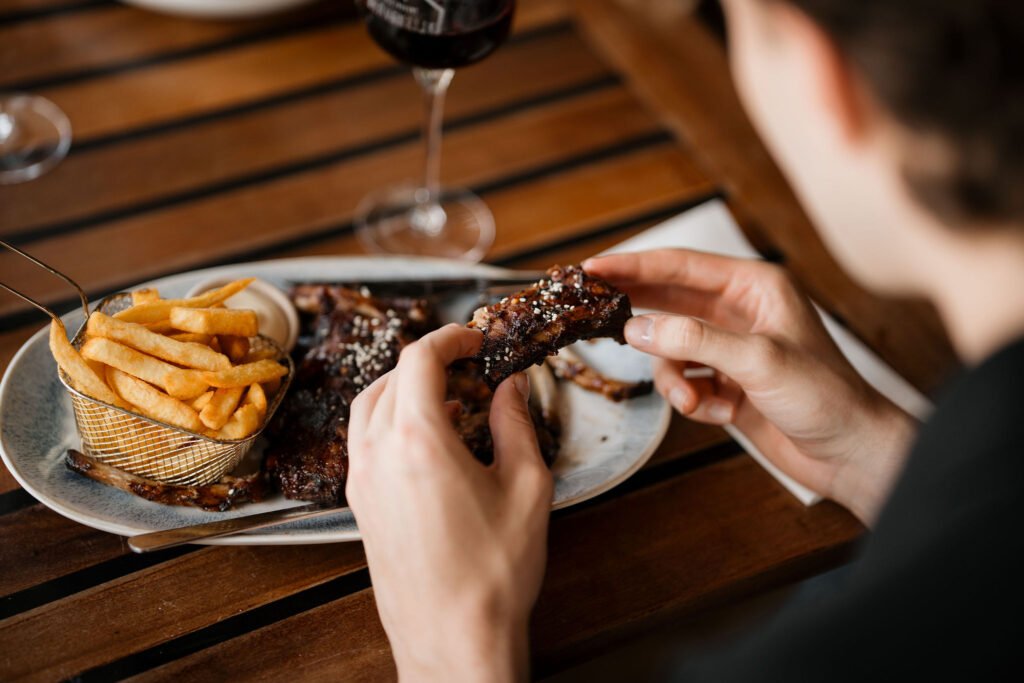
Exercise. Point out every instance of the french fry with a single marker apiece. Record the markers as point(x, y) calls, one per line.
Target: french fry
point(185, 384)
point(154, 403)
point(257, 397)
point(243, 423)
point(142, 296)
point(236, 348)
point(204, 398)
point(154, 311)
point(192, 337)
point(221, 407)
point(219, 321)
point(188, 354)
point(82, 376)
point(160, 327)
point(179, 383)
point(243, 375)
point(99, 368)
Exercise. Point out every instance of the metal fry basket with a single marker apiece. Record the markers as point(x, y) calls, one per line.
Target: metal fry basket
point(139, 444)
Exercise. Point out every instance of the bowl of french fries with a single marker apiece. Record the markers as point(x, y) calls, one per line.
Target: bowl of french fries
point(173, 390)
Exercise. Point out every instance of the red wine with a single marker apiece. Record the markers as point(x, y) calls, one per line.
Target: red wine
point(416, 32)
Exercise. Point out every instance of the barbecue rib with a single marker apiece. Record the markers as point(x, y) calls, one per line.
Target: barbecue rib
point(565, 307)
point(349, 339)
point(217, 497)
point(569, 366)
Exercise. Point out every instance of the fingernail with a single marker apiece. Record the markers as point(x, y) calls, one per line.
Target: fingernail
point(522, 384)
point(588, 263)
point(677, 397)
point(638, 330)
point(719, 410)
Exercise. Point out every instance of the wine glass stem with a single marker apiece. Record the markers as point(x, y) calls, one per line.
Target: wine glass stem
point(428, 216)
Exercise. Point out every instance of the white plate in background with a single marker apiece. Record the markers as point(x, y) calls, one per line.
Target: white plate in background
point(217, 9)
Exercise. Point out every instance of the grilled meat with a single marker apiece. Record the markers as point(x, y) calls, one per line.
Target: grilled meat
point(218, 497)
point(349, 339)
point(569, 366)
point(466, 385)
point(565, 307)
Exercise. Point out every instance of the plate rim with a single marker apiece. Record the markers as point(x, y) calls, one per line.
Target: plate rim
point(316, 537)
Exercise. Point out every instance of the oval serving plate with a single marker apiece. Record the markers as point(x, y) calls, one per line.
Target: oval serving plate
point(603, 443)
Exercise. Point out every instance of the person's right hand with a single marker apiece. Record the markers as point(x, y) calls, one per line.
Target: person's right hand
point(780, 378)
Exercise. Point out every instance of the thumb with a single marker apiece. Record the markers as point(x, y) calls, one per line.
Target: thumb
point(750, 359)
point(515, 442)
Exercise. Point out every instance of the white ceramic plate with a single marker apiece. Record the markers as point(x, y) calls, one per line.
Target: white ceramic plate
point(602, 445)
point(217, 9)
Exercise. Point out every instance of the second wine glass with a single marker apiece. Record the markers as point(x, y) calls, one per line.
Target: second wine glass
point(435, 37)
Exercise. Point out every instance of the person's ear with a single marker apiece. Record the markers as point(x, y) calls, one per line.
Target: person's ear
point(835, 80)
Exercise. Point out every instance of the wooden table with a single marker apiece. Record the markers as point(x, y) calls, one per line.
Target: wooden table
point(205, 143)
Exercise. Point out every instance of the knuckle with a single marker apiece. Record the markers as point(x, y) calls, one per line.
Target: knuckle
point(775, 276)
point(688, 332)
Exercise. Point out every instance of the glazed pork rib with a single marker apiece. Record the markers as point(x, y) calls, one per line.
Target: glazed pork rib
point(566, 306)
point(217, 497)
point(350, 338)
point(569, 366)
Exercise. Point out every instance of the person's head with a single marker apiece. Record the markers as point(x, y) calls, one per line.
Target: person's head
point(882, 110)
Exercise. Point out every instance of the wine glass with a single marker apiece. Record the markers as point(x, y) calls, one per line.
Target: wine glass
point(435, 37)
point(34, 135)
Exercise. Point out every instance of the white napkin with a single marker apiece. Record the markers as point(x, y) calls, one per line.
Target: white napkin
point(710, 227)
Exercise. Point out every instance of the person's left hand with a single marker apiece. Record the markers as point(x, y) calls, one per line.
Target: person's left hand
point(456, 549)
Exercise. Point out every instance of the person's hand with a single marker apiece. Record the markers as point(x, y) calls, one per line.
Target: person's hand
point(780, 378)
point(456, 549)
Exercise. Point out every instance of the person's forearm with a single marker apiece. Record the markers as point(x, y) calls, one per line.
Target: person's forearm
point(864, 482)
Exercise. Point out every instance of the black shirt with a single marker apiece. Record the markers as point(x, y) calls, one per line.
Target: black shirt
point(938, 590)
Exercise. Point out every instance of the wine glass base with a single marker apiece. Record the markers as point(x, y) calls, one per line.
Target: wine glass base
point(34, 135)
point(458, 226)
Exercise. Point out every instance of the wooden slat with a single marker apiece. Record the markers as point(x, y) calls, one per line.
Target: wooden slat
point(58, 46)
point(249, 218)
point(175, 597)
point(7, 480)
point(197, 85)
point(680, 70)
point(203, 155)
point(691, 542)
point(37, 545)
point(580, 248)
point(568, 205)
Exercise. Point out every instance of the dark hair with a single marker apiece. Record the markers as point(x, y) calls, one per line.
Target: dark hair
point(951, 70)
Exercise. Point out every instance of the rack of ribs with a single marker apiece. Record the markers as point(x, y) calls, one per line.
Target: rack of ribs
point(350, 338)
point(564, 307)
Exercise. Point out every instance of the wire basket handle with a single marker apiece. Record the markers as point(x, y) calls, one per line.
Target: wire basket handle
point(62, 276)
